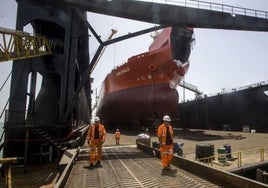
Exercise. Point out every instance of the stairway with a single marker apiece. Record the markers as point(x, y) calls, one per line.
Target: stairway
point(190, 87)
point(41, 133)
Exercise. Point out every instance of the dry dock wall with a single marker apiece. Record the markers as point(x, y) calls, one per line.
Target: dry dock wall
point(233, 110)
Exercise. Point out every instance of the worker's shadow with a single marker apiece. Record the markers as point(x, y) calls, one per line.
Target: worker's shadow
point(169, 172)
point(93, 167)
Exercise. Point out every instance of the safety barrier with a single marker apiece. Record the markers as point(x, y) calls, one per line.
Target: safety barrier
point(233, 10)
point(239, 156)
point(214, 175)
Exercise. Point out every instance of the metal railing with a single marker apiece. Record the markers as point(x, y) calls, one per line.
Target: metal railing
point(227, 91)
point(255, 155)
point(233, 10)
point(190, 87)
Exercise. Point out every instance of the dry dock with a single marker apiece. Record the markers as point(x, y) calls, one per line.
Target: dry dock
point(129, 166)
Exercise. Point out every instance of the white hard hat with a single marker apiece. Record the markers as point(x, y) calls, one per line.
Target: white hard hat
point(96, 119)
point(166, 118)
point(117, 129)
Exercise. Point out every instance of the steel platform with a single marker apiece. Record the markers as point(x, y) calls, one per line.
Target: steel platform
point(129, 167)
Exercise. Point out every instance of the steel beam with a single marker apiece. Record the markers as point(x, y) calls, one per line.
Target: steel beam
point(224, 17)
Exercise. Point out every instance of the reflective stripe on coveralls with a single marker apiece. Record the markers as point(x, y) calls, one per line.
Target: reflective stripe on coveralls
point(162, 131)
point(117, 135)
point(95, 150)
point(96, 144)
point(165, 150)
point(91, 132)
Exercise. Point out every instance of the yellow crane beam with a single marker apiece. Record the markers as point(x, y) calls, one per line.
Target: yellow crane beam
point(15, 45)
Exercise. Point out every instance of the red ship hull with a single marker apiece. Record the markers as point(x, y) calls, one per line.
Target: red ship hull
point(133, 107)
point(144, 88)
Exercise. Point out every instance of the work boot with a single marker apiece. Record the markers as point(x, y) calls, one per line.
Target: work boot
point(164, 171)
point(172, 171)
point(98, 164)
point(91, 165)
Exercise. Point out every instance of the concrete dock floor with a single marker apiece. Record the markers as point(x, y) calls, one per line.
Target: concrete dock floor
point(248, 143)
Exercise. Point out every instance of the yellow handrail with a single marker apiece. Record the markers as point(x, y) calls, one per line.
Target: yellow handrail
point(261, 152)
point(7, 169)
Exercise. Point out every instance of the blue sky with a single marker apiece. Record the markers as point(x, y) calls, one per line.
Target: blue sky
point(220, 58)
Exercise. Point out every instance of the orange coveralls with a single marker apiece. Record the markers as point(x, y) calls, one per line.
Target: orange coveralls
point(166, 151)
point(117, 137)
point(96, 143)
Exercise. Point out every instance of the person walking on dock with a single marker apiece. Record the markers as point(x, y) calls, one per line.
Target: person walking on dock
point(165, 137)
point(96, 136)
point(117, 135)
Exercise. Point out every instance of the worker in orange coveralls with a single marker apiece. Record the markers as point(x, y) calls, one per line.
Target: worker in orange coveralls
point(165, 137)
point(96, 136)
point(117, 136)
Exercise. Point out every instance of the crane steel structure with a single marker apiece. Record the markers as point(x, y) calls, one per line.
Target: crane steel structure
point(16, 45)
